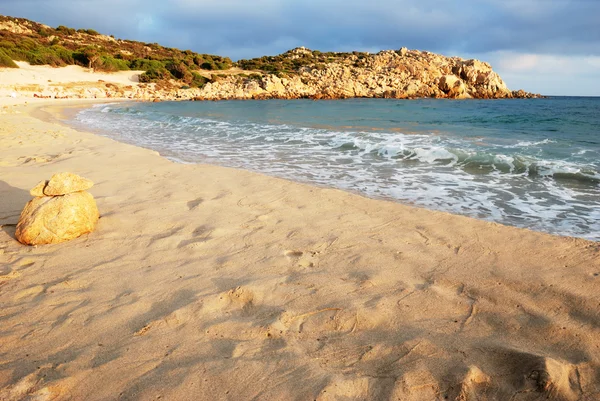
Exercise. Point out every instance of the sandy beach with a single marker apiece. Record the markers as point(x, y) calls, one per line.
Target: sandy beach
point(209, 283)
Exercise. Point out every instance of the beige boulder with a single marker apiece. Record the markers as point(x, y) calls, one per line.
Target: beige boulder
point(50, 220)
point(60, 211)
point(38, 190)
point(65, 183)
point(453, 86)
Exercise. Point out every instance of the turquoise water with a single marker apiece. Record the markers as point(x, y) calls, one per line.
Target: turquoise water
point(529, 163)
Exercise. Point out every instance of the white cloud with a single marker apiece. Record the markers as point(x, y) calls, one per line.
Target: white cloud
point(547, 73)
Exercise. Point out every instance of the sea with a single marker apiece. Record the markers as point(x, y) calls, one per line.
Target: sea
point(531, 163)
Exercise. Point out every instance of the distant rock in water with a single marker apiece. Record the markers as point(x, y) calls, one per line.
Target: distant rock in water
point(61, 210)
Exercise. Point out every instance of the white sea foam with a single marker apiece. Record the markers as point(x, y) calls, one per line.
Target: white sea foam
point(525, 144)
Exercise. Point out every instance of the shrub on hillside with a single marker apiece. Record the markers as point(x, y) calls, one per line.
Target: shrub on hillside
point(64, 30)
point(44, 56)
point(64, 54)
point(255, 77)
point(7, 44)
point(198, 81)
point(87, 57)
point(180, 71)
point(155, 74)
point(88, 31)
point(145, 64)
point(44, 33)
point(27, 44)
point(6, 61)
point(111, 64)
point(208, 65)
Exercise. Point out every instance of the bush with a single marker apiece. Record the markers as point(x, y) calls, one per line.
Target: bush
point(88, 31)
point(80, 59)
point(27, 44)
point(198, 60)
point(198, 81)
point(65, 55)
point(111, 64)
point(145, 64)
point(44, 33)
point(179, 71)
point(44, 56)
point(64, 30)
point(7, 44)
point(155, 74)
point(6, 61)
point(208, 65)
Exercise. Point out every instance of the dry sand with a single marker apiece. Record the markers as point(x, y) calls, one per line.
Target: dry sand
point(209, 283)
point(28, 74)
point(21, 83)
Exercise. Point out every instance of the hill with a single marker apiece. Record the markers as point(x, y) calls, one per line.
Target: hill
point(298, 73)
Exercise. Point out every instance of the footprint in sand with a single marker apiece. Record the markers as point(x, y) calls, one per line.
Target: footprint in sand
point(302, 259)
point(30, 387)
point(6, 274)
point(200, 235)
point(30, 292)
point(236, 300)
point(533, 374)
point(345, 389)
point(193, 204)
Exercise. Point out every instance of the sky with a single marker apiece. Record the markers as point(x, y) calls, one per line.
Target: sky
point(550, 47)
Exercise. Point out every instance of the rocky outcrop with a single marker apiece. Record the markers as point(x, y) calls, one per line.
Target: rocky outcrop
point(61, 210)
point(388, 74)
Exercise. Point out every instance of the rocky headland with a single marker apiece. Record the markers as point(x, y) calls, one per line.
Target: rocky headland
point(160, 73)
point(402, 74)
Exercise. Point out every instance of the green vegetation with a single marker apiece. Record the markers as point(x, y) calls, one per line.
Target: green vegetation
point(155, 74)
point(63, 46)
point(88, 31)
point(291, 62)
point(6, 61)
point(198, 80)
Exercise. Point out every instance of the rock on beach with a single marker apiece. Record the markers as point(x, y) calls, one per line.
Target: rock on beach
point(61, 210)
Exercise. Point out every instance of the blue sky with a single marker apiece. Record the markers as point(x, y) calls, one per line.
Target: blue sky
point(545, 46)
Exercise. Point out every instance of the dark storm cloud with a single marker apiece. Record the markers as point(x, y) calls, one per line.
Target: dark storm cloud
point(242, 28)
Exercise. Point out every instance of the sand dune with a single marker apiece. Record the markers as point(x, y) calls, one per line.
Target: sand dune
point(21, 83)
point(209, 283)
point(28, 74)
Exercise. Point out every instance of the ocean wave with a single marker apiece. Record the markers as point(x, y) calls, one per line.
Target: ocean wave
point(470, 160)
point(525, 144)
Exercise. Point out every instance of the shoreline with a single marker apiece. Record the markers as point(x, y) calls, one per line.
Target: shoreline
point(218, 283)
point(573, 224)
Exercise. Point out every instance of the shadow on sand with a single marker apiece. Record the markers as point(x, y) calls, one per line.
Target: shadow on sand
point(12, 201)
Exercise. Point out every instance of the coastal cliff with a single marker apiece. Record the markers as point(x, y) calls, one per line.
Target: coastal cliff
point(161, 73)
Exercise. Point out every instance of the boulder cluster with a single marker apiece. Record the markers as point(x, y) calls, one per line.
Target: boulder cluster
point(61, 210)
point(403, 74)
